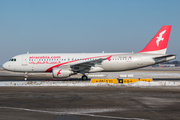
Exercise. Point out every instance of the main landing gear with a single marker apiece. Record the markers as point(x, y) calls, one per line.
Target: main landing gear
point(84, 77)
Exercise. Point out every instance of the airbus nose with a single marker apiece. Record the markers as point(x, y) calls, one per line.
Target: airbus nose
point(5, 66)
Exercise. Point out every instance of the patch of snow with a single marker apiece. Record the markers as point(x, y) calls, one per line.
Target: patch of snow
point(86, 83)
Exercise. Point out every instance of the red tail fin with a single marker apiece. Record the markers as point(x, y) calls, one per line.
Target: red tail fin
point(158, 44)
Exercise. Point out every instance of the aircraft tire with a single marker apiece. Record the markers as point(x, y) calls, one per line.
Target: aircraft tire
point(84, 77)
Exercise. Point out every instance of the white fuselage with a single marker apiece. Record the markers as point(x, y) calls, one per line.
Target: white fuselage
point(113, 61)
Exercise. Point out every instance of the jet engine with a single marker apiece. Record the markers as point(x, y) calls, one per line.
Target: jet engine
point(61, 73)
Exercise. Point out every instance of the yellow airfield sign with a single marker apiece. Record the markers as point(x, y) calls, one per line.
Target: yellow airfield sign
point(104, 80)
point(124, 81)
point(128, 80)
point(146, 79)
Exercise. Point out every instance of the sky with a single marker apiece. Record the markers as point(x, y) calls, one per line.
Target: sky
point(85, 26)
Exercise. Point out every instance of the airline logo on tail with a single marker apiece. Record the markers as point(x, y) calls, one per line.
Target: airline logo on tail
point(160, 37)
point(159, 42)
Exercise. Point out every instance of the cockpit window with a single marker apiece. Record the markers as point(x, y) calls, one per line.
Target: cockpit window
point(12, 59)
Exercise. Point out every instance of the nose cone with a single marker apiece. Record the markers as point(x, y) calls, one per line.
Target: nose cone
point(5, 66)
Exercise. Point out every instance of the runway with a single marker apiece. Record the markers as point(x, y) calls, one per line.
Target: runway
point(87, 103)
point(69, 79)
point(46, 98)
point(166, 74)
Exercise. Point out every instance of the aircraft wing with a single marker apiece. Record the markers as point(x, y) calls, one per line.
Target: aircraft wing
point(89, 63)
point(86, 65)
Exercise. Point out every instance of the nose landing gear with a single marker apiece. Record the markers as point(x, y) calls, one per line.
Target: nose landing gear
point(25, 76)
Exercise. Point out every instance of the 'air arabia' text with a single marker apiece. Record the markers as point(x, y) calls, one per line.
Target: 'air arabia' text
point(44, 60)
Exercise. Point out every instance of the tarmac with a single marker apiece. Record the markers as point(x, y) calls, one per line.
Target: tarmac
point(90, 103)
point(99, 102)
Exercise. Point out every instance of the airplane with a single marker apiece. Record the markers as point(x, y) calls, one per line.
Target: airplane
point(64, 65)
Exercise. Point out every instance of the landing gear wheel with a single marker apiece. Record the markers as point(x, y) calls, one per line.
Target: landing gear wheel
point(25, 76)
point(84, 77)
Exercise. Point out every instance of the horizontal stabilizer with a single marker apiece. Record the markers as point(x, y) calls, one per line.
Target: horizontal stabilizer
point(165, 56)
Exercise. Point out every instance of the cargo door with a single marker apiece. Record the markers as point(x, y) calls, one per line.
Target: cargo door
point(24, 60)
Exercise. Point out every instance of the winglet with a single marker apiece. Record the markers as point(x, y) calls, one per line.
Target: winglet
point(158, 44)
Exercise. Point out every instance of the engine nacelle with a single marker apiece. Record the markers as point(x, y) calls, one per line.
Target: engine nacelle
point(60, 73)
